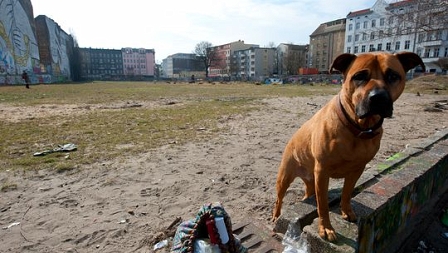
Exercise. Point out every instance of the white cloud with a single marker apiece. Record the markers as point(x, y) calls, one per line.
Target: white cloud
point(173, 26)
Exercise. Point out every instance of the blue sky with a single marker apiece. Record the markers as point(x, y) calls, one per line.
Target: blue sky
point(176, 26)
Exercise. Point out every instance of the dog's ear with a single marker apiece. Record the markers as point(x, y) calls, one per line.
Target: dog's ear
point(342, 63)
point(410, 60)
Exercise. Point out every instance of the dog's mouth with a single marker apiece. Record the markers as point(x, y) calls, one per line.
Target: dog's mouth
point(378, 102)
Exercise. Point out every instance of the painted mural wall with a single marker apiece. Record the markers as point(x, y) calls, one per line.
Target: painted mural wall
point(18, 43)
point(60, 44)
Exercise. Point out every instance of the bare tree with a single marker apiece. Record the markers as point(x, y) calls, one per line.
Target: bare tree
point(442, 63)
point(234, 67)
point(74, 56)
point(206, 54)
point(411, 17)
point(271, 44)
point(292, 62)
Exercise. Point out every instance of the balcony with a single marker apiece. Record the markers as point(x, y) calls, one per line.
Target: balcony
point(430, 43)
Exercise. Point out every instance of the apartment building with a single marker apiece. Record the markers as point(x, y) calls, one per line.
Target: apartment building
point(410, 25)
point(138, 63)
point(221, 64)
point(183, 66)
point(101, 64)
point(289, 58)
point(254, 63)
point(326, 43)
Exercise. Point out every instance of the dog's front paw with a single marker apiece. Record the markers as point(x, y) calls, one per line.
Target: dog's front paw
point(348, 215)
point(327, 233)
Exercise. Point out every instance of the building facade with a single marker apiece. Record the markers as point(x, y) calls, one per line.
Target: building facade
point(183, 66)
point(290, 58)
point(326, 43)
point(254, 63)
point(221, 64)
point(414, 26)
point(138, 63)
point(55, 49)
point(101, 64)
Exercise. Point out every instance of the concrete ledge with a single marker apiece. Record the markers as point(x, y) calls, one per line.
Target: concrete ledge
point(391, 198)
point(392, 208)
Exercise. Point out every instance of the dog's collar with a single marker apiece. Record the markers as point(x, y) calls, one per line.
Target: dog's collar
point(355, 128)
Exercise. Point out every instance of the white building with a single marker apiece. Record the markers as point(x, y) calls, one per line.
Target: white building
point(408, 25)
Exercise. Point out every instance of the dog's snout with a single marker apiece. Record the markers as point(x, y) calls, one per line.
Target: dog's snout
point(381, 103)
point(379, 95)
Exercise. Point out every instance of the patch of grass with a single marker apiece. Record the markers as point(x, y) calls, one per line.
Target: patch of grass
point(107, 134)
point(8, 186)
point(428, 84)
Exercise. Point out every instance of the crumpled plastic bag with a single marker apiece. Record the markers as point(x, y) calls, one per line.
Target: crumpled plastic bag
point(61, 148)
point(293, 241)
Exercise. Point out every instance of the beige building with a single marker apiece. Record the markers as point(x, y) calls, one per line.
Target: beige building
point(289, 58)
point(326, 43)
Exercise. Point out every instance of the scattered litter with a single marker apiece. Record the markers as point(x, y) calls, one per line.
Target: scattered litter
point(12, 225)
point(123, 221)
point(161, 244)
point(422, 244)
point(44, 189)
point(293, 242)
point(61, 148)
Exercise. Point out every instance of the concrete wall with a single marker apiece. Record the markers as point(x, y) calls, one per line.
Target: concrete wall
point(18, 43)
point(55, 46)
point(398, 201)
point(394, 199)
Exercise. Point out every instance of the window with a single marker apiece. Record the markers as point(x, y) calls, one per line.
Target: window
point(381, 34)
point(355, 51)
point(388, 44)
point(436, 52)
point(357, 37)
point(364, 25)
point(446, 52)
point(421, 37)
point(363, 48)
point(357, 25)
point(379, 47)
point(407, 44)
point(371, 48)
point(349, 38)
point(381, 21)
point(350, 27)
point(372, 35)
point(373, 22)
point(439, 35)
point(419, 52)
point(349, 49)
point(397, 45)
point(364, 36)
point(391, 20)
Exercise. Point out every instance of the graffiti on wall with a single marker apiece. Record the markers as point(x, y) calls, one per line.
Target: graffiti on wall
point(393, 218)
point(59, 40)
point(18, 44)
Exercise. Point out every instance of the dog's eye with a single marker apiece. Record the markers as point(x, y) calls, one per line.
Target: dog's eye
point(392, 77)
point(361, 77)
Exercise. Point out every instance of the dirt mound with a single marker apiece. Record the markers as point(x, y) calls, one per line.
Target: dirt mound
point(428, 83)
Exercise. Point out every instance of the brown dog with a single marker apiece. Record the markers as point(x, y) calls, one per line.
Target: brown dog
point(342, 137)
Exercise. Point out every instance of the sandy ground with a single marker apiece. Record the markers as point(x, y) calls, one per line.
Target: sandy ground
point(125, 205)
